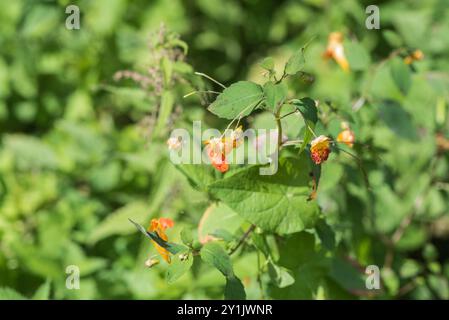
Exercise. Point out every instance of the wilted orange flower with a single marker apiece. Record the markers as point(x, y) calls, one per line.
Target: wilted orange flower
point(336, 50)
point(414, 56)
point(159, 226)
point(346, 136)
point(218, 148)
point(320, 149)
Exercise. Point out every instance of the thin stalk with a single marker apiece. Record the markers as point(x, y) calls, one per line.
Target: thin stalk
point(278, 118)
point(286, 115)
point(243, 238)
point(211, 79)
point(205, 91)
point(259, 278)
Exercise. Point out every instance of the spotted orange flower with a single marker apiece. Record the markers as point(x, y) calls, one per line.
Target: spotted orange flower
point(346, 136)
point(336, 50)
point(218, 148)
point(159, 226)
point(215, 149)
point(414, 56)
point(320, 149)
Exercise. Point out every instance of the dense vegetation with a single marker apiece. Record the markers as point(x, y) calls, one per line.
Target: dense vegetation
point(85, 116)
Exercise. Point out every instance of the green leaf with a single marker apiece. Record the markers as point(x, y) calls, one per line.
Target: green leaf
point(392, 38)
point(267, 63)
point(234, 289)
point(167, 103)
point(175, 42)
point(401, 74)
point(308, 109)
point(115, 223)
point(198, 175)
point(167, 68)
point(43, 292)
point(296, 62)
point(276, 203)
point(398, 119)
point(440, 286)
point(260, 242)
point(223, 234)
point(238, 100)
point(409, 268)
point(280, 276)
point(216, 217)
point(309, 267)
point(309, 112)
point(187, 236)
point(275, 95)
point(215, 255)
point(178, 267)
point(296, 250)
point(347, 276)
point(30, 152)
point(358, 56)
point(391, 280)
point(10, 294)
point(326, 234)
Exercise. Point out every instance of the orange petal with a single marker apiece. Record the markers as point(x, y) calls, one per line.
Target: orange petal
point(343, 62)
point(163, 252)
point(166, 223)
point(222, 167)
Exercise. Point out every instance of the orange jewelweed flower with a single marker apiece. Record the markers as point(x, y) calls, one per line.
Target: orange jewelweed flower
point(218, 148)
point(416, 55)
point(336, 50)
point(347, 135)
point(159, 226)
point(320, 149)
point(215, 149)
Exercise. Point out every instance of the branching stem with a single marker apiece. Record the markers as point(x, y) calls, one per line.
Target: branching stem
point(243, 238)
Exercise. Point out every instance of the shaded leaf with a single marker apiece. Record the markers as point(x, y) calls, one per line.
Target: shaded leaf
point(10, 294)
point(234, 289)
point(296, 62)
point(358, 56)
point(401, 74)
point(178, 267)
point(214, 254)
point(267, 63)
point(276, 203)
point(238, 100)
point(309, 112)
point(43, 292)
point(275, 95)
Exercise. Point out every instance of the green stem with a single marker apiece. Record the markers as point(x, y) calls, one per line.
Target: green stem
point(279, 125)
point(243, 238)
point(286, 115)
point(278, 118)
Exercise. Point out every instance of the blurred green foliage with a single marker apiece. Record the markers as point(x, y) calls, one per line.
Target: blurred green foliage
point(75, 162)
